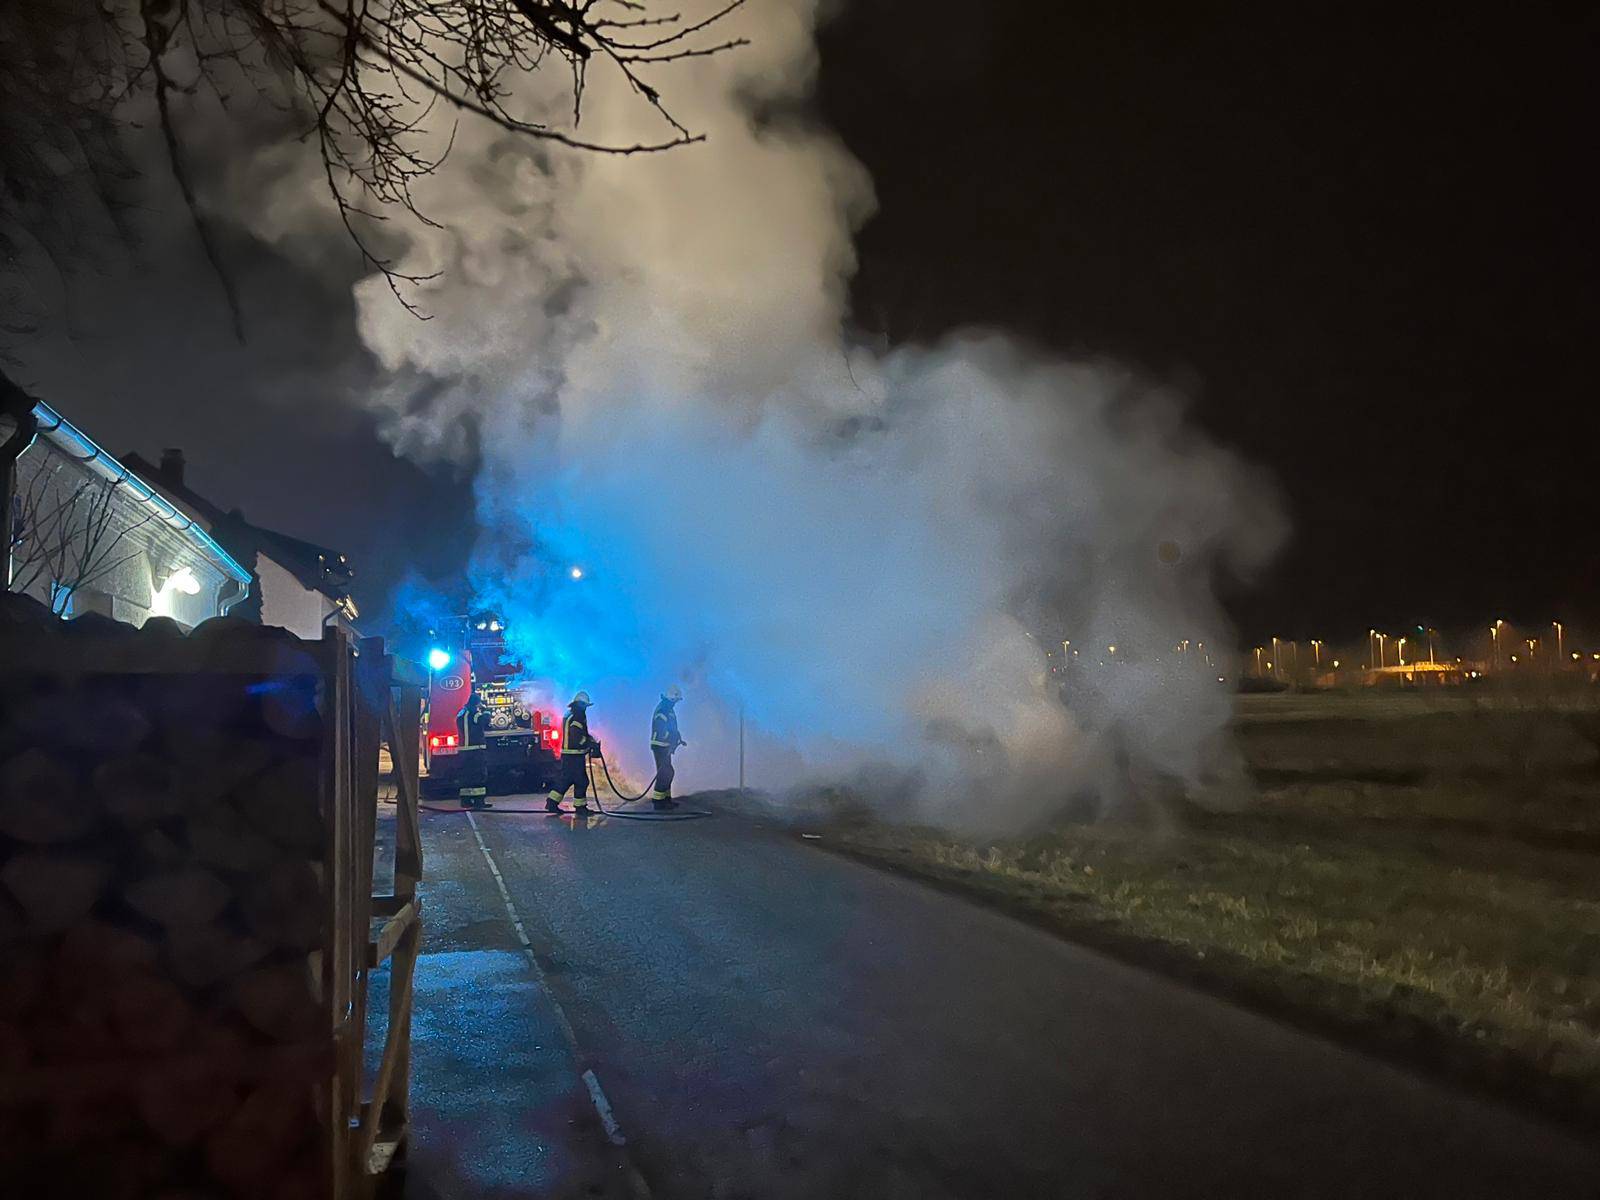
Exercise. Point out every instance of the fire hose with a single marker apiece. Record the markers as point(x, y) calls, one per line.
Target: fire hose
point(690, 814)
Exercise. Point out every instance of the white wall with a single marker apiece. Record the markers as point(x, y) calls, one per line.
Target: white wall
point(287, 603)
point(141, 550)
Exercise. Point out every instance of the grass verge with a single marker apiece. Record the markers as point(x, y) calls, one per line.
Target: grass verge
point(1469, 954)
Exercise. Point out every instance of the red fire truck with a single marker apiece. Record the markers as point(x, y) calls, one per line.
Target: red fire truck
point(480, 724)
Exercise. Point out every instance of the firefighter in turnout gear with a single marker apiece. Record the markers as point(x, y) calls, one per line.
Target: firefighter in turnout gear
point(664, 739)
point(578, 745)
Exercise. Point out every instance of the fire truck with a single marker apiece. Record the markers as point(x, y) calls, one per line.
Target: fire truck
point(478, 706)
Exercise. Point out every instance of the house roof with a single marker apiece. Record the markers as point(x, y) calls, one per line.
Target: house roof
point(318, 568)
point(73, 443)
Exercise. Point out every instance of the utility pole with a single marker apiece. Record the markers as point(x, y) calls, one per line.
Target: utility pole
point(741, 747)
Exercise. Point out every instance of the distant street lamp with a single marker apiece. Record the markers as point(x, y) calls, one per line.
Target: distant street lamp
point(1316, 652)
point(1559, 631)
point(1401, 647)
point(1494, 632)
point(1382, 638)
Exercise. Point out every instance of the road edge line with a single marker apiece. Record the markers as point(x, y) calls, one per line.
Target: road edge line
point(591, 1081)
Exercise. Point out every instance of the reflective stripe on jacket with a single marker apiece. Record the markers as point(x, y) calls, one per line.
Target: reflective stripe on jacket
point(575, 737)
point(664, 727)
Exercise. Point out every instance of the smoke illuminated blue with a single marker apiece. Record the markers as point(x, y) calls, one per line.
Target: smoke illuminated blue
point(860, 588)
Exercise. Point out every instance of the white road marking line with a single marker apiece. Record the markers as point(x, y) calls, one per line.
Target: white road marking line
point(603, 1107)
point(590, 1080)
point(522, 937)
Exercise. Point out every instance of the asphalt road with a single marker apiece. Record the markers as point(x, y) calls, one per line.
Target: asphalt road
point(764, 1019)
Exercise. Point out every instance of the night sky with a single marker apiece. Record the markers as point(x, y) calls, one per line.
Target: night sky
point(1364, 249)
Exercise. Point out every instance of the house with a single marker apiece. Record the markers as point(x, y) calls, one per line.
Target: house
point(1416, 674)
point(295, 584)
point(87, 534)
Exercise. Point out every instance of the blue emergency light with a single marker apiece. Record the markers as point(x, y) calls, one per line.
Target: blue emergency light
point(438, 659)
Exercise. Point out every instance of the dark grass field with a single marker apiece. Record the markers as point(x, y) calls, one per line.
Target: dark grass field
point(1418, 873)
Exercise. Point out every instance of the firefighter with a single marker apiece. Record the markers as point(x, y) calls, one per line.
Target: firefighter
point(473, 766)
point(577, 746)
point(664, 739)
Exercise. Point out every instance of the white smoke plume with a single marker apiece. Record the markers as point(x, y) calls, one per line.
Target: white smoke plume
point(870, 553)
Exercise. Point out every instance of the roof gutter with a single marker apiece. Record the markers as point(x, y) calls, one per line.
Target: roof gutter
point(75, 444)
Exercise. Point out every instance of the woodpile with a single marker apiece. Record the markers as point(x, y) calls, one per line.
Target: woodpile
point(165, 932)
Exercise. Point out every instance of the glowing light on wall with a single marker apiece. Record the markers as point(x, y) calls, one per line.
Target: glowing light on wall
point(182, 580)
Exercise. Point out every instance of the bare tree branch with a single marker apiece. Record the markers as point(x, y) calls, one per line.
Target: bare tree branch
point(157, 37)
point(68, 531)
point(367, 76)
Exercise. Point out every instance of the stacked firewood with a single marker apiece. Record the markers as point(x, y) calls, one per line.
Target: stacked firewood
point(163, 922)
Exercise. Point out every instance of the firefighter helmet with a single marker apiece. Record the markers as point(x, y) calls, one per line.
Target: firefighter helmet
point(673, 693)
point(581, 700)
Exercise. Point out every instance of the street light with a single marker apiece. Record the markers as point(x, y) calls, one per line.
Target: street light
point(1494, 632)
point(1559, 631)
point(1401, 647)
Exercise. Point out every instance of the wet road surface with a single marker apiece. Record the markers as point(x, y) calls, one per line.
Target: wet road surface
point(764, 1019)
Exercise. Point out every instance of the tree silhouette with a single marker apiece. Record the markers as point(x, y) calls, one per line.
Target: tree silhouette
point(368, 81)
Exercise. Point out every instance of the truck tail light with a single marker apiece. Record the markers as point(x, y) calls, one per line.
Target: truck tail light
point(442, 740)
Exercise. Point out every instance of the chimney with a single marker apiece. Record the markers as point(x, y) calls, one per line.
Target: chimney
point(171, 469)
